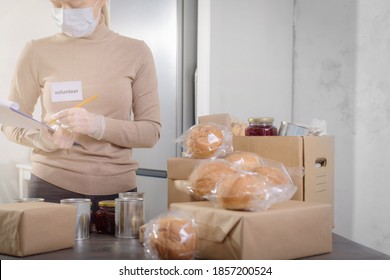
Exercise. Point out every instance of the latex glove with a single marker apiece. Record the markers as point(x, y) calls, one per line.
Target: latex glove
point(79, 120)
point(51, 141)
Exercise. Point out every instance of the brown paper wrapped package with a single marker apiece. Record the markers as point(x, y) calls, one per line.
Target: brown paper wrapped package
point(288, 230)
point(36, 227)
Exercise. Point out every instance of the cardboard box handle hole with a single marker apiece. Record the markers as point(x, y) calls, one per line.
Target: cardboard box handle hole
point(320, 162)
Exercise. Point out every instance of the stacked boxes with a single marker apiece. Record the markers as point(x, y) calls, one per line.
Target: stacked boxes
point(293, 229)
point(311, 158)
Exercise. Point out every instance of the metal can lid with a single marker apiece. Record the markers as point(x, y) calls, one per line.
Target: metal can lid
point(261, 120)
point(131, 194)
point(129, 199)
point(30, 199)
point(75, 200)
point(107, 203)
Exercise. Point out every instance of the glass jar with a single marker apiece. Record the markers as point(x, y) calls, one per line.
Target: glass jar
point(261, 127)
point(105, 217)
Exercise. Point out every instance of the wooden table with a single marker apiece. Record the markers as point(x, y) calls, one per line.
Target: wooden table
point(103, 247)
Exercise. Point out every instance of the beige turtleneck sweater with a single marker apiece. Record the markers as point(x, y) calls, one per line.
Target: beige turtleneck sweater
point(121, 71)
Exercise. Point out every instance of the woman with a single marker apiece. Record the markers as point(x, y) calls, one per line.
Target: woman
point(89, 154)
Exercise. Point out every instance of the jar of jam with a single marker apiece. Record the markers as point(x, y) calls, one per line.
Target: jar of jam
point(105, 217)
point(261, 127)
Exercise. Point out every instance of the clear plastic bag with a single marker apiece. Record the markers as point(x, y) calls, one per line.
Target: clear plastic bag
point(205, 176)
point(206, 140)
point(256, 185)
point(250, 192)
point(171, 236)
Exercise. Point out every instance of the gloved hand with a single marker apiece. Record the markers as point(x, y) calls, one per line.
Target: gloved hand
point(51, 141)
point(79, 120)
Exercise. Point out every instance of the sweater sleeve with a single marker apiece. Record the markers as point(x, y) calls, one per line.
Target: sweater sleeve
point(25, 90)
point(144, 130)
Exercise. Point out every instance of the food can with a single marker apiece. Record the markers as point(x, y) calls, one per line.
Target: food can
point(29, 199)
point(129, 215)
point(282, 128)
point(131, 194)
point(296, 130)
point(83, 215)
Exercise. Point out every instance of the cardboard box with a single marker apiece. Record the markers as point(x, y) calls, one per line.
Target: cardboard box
point(36, 227)
point(179, 169)
point(314, 155)
point(288, 230)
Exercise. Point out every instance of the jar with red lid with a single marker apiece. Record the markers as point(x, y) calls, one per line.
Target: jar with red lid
point(105, 217)
point(261, 127)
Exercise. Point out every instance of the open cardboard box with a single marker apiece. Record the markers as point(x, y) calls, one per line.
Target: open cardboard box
point(310, 156)
point(288, 230)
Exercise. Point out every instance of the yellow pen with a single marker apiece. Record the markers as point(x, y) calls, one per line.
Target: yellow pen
point(85, 101)
point(81, 104)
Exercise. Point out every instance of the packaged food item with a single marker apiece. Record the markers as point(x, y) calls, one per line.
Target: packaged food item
point(105, 217)
point(256, 185)
point(129, 215)
point(29, 199)
point(83, 217)
point(262, 126)
point(206, 140)
point(171, 236)
point(251, 192)
point(244, 160)
point(205, 176)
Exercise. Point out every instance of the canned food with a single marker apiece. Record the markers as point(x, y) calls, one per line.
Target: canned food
point(129, 216)
point(83, 215)
point(29, 199)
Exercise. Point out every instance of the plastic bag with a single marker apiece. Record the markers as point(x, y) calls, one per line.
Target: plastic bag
point(206, 140)
point(171, 236)
point(205, 176)
point(251, 192)
point(257, 184)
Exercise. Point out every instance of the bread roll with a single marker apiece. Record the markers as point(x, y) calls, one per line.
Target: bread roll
point(241, 191)
point(246, 160)
point(274, 176)
point(204, 140)
point(205, 176)
point(173, 238)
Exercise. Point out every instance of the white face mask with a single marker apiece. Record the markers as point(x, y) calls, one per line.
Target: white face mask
point(76, 23)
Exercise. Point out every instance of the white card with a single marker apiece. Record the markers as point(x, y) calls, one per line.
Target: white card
point(66, 91)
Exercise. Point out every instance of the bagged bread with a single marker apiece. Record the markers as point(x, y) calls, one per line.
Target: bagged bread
point(205, 176)
point(256, 185)
point(249, 191)
point(244, 160)
point(206, 140)
point(170, 236)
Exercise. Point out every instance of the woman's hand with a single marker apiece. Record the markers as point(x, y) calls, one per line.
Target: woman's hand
point(51, 141)
point(79, 120)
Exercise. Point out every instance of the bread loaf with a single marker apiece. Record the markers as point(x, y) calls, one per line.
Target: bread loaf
point(241, 191)
point(205, 176)
point(172, 238)
point(204, 140)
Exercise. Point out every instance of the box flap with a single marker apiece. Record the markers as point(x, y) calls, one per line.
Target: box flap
point(212, 224)
point(222, 119)
point(288, 230)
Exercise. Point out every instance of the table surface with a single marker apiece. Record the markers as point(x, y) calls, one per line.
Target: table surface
point(103, 247)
